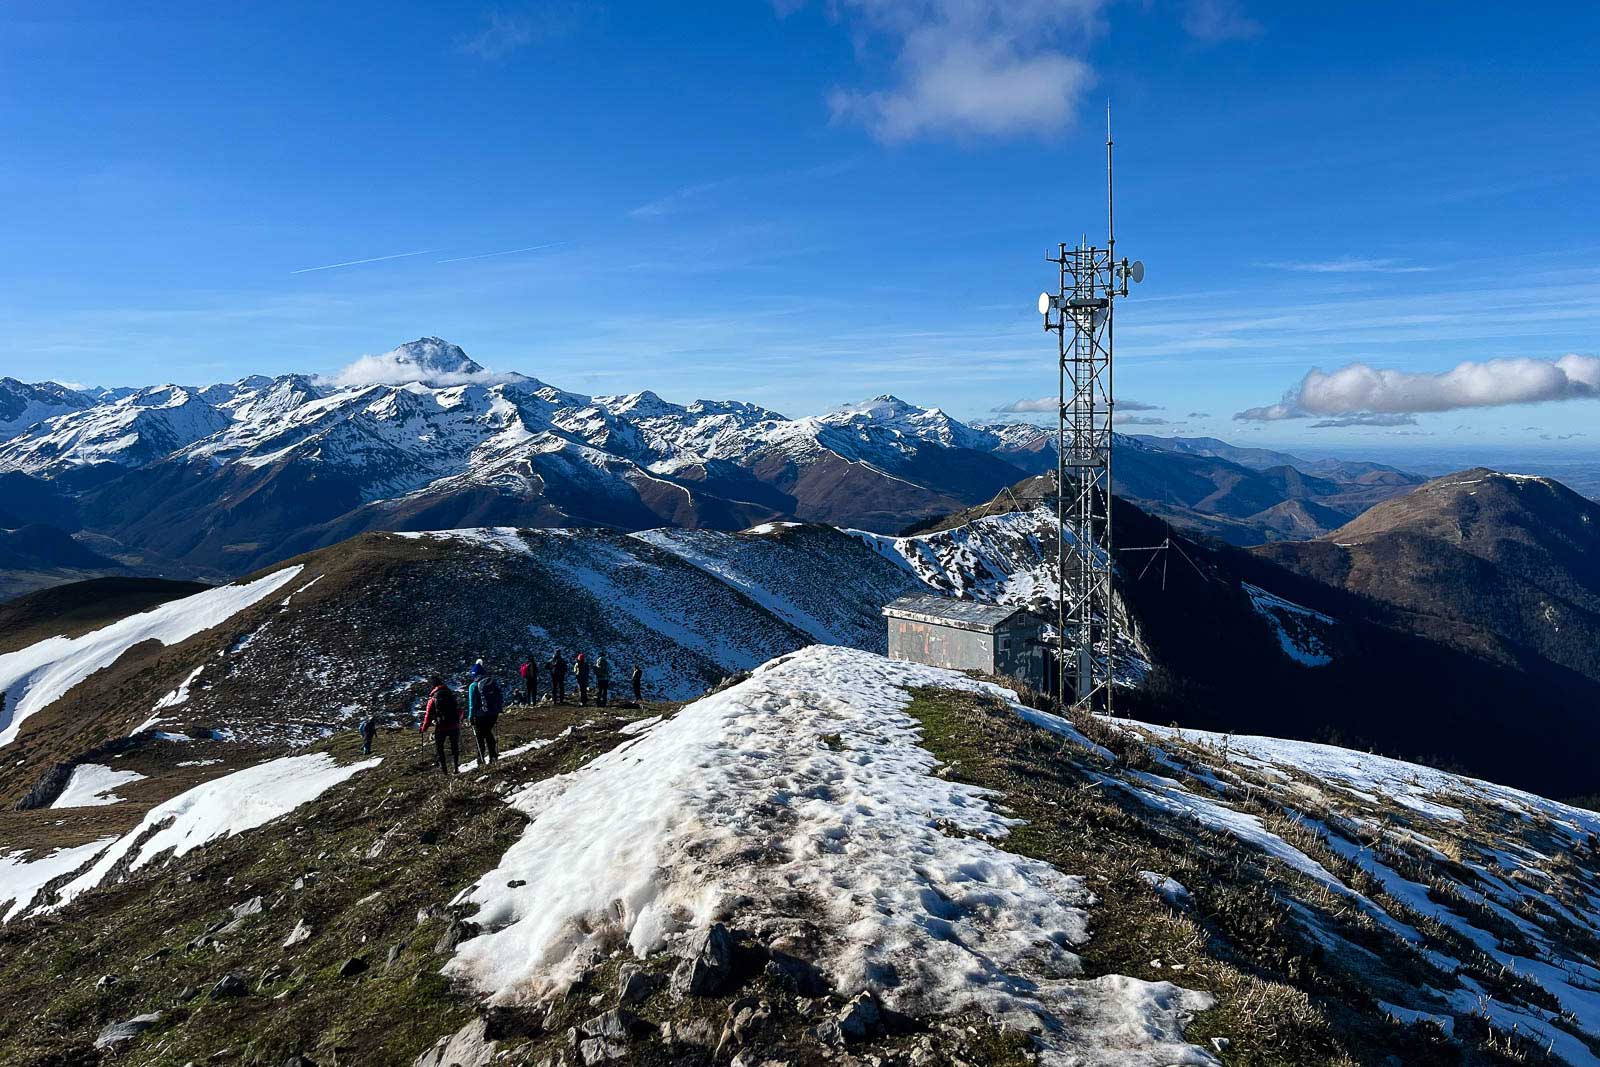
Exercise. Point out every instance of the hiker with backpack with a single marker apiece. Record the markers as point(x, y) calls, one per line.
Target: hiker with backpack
point(444, 715)
point(638, 684)
point(581, 668)
point(602, 679)
point(485, 702)
point(530, 680)
point(558, 678)
point(368, 729)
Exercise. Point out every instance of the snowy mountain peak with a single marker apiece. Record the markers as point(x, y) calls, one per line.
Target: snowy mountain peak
point(883, 408)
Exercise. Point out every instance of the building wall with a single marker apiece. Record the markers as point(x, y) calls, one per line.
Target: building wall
point(940, 646)
point(1011, 652)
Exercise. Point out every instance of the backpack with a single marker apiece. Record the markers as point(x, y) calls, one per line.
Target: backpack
point(445, 710)
point(490, 700)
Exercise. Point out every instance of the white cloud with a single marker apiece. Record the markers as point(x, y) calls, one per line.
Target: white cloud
point(507, 30)
point(1367, 418)
point(1351, 265)
point(680, 199)
point(972, 67)
point(503, 33)
point(428, 360)
point(1213, 21)
point(1359, 389)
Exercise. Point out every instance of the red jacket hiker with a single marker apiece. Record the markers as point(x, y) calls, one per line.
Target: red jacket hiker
point(442, 711)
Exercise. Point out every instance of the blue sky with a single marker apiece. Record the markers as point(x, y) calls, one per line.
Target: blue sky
point(804, 204)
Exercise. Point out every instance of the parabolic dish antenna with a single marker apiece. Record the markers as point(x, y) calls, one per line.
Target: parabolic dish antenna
point(1044, 303)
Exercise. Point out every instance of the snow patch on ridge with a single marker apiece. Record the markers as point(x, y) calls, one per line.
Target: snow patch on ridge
point(21, 880)
point(91, 784)
point(652, 840)
point(34, 677)
point(219, 808)
point(1299, 629)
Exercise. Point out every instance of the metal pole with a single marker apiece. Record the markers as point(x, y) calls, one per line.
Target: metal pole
point(1061, 490)
point(1111, 425)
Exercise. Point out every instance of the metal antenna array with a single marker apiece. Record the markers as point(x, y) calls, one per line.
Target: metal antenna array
point(1080, 313)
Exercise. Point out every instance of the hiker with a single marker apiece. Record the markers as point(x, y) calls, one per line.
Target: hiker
point(558, 679)
point(368, 729)
point(444, 715)
point(485, 702)
point(638, 685)
point(602, 679)
point(530, 680)
point(581, 669)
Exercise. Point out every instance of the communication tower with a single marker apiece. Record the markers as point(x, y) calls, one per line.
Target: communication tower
point(1090, 281)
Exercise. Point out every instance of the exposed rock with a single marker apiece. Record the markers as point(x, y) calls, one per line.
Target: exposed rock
point(299, 935)
point(859, 1018)
point(188, 993)
point(634, 985)
point(618, 1024)
point(469, 1046)
point(393, 955)
point(598, 1050)
point(709, 965)
point(299, 1059)
point(106, 982)
point(352, 967)
point(230, 985)
point(254, 906)
point(698, 1032)
point(458, 931)
point(117, 1033)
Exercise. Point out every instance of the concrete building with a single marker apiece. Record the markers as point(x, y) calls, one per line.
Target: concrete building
point(966, 635)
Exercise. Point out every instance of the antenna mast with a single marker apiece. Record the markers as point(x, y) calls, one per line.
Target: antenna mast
point(1090, 280)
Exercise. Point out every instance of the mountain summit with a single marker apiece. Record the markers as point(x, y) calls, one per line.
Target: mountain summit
point(427, 361)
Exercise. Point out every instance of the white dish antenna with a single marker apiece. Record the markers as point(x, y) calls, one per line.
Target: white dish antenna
point(1047, 303)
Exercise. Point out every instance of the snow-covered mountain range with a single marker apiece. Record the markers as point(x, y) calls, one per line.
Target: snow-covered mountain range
point(235, 475)
point(222, 479)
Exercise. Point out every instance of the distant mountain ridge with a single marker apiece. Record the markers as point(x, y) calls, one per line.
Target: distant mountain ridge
point(1480, 559)
point(218, 480)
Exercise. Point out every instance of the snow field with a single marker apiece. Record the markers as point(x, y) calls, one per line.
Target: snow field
point(91, 785)
point(219, 808)
point(803, 791)
point(1295, 625)
point(21, 880)
point(34, 677)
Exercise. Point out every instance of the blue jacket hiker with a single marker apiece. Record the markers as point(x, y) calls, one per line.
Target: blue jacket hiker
point(485, 701)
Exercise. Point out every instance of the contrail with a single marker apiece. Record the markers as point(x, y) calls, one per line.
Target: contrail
point(358, 262)
point(507, 252)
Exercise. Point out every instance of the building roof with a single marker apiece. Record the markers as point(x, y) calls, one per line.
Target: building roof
point(948, 611)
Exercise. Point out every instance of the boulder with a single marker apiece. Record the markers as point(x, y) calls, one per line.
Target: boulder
point(709, 965)
point(467, 1047)
point(598, 1050)
point(117, 1033)
point(860, 1018)
point(634, 985)
point(352, 967)
point(618, 1024)
point(229, 985)
point(299, 935)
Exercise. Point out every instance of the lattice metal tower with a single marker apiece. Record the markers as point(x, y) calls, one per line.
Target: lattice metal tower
point(1091, 279)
